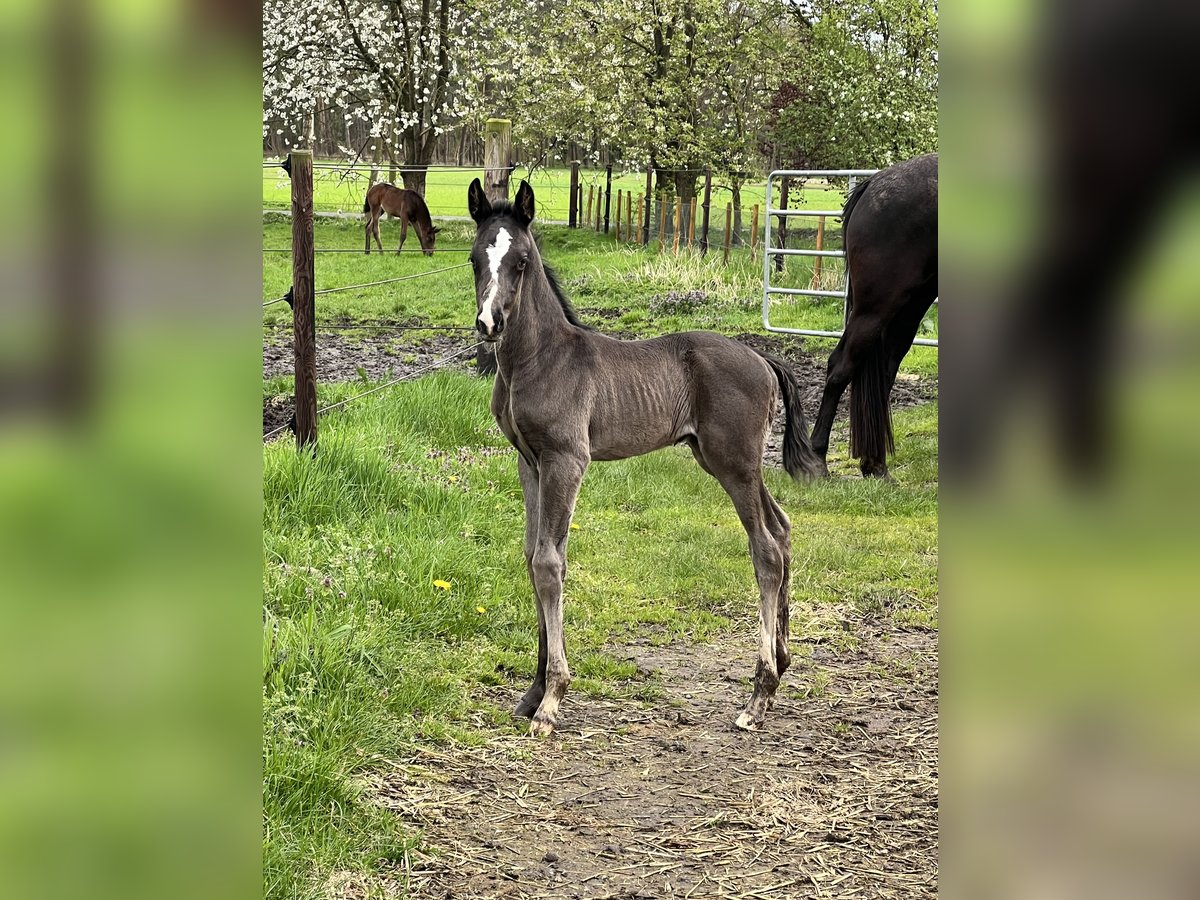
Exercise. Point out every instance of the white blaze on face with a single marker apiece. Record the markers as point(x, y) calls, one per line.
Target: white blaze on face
point(495, 254)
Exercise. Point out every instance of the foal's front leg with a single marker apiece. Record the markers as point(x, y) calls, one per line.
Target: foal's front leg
point(529, 486)
point(559, 477)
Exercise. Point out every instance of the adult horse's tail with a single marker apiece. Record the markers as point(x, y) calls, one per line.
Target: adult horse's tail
point(799, 458)
point(870, 413)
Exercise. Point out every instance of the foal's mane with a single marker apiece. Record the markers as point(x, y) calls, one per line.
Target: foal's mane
point(505, 208)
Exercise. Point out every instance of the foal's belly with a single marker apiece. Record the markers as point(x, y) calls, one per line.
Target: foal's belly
point(621, 444)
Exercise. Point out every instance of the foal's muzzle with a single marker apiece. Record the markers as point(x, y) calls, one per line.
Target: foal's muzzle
point(490, 333)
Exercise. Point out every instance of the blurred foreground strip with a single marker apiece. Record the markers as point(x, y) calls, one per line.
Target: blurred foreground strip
point(129, 466)
point(1071, 709)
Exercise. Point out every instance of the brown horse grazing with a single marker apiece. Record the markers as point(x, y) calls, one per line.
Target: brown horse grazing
point(408, 205)
point(566, 395)
point(890, 232)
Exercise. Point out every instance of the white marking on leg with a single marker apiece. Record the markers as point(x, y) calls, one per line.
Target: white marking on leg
point(495, 254)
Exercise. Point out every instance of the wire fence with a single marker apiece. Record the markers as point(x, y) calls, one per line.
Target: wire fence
point(387, 384)
point(367, 284)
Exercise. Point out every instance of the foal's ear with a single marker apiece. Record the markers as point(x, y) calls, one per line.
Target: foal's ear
point(477, 202)
point(523, 206)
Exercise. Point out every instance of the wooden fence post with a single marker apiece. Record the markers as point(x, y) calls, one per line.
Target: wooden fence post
point(591, 193)
point(707, 204)
point(497, 158)
point(641, 232)
point(692, 224)
point(618, 228)
point(573, 214)
point(607, 194)
point(678, 210)
point(649, 193)
point(304, 312)
point(753, 229)
point(662, 222)
point(629, 215)
point(597, 211)
point(728, 228)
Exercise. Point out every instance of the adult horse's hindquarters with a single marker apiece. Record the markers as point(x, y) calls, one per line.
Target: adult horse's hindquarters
point(889, 228)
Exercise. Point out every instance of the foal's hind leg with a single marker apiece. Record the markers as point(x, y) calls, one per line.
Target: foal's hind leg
point(529, 485)
point(781, 529)
point(375, 228)
point(403, 232)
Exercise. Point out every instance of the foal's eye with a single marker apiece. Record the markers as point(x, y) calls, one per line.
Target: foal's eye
point(522, 263)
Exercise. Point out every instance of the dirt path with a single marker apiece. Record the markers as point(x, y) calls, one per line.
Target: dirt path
point(836, 797)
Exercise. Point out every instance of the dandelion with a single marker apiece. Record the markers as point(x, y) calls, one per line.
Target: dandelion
point(442, 585)
point(574, 527)
point(481, 610)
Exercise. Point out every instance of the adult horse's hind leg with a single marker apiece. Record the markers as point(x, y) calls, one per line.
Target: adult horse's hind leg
point(897, 341)
point(529, 485)
point(837, 377)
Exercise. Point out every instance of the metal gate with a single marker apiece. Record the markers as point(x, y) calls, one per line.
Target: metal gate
point(769, 252)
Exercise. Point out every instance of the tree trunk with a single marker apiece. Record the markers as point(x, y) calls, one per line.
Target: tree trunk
point(414, 177)
point(685, 191)
point(392, 164)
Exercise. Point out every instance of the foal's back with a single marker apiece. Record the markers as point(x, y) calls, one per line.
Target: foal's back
point(387, 196)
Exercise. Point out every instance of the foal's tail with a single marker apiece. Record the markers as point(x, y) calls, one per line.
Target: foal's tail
point(799, 459)
point(366, 205)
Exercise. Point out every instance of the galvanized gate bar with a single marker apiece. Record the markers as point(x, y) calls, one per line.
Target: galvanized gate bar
point(776, 251)
point(769, 251)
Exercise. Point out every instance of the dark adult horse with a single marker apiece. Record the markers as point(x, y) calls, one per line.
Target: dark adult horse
point(889, 231)
point(408, 206)
point(566, 395)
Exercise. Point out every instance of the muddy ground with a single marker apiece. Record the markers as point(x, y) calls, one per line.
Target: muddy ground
point(349, 354)
point(837, 796)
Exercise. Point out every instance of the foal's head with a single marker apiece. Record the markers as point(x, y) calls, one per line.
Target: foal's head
point(503, 247)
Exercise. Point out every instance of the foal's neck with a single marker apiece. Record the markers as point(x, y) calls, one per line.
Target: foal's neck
point(539, 324)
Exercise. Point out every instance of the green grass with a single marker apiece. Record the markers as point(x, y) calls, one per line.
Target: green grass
point(366, 658)
point(446, 192)
point(596, 272)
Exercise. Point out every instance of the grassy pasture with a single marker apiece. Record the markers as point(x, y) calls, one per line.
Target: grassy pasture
point(395, 592)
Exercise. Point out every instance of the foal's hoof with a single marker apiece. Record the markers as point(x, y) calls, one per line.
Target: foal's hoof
point(541, 727)
point(747, 722)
